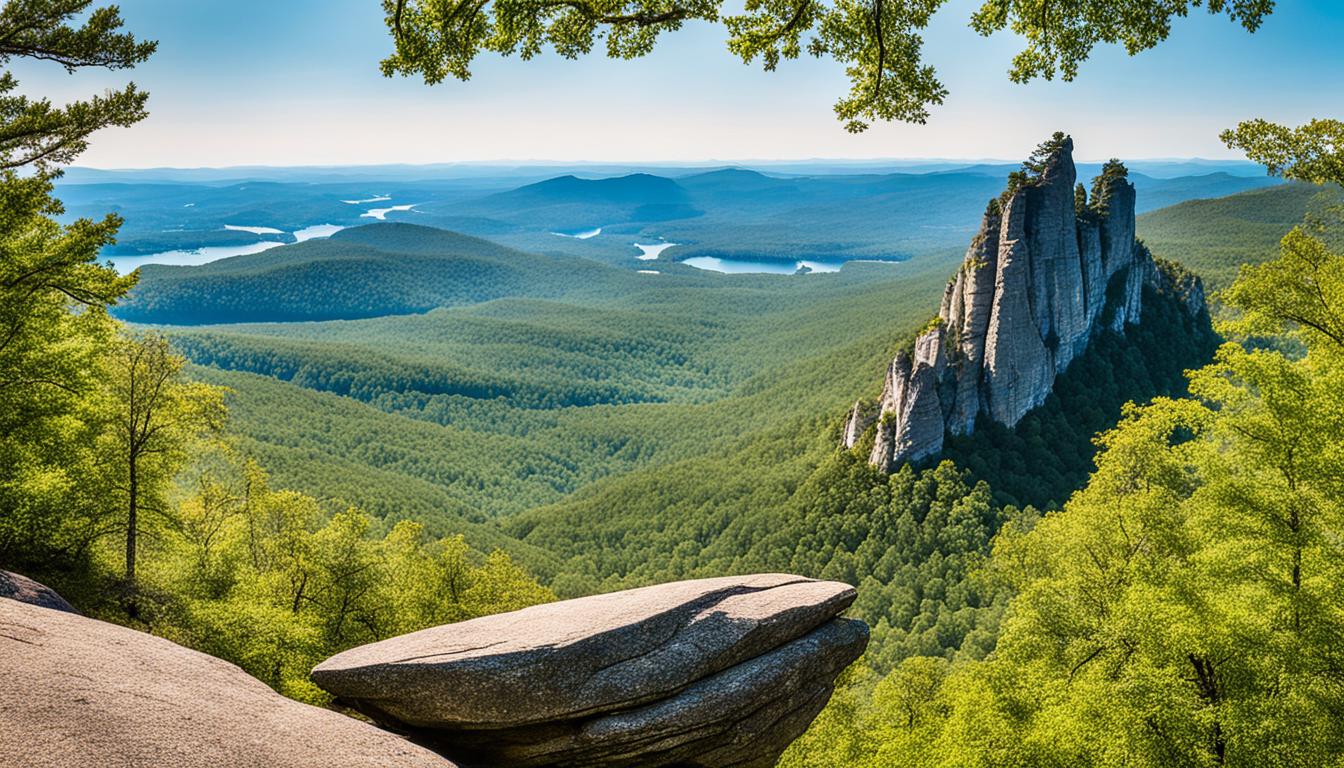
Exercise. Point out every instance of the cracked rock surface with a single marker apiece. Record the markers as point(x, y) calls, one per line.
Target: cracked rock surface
point(76, 691)
point(714, 673)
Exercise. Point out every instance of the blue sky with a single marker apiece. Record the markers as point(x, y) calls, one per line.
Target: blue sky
point(296, 82)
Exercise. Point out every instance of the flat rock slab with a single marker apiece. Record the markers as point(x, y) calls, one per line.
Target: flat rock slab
point(742, 717)
point(25, 590)
point(80, 692)
point(718, 673)
point(575, 658)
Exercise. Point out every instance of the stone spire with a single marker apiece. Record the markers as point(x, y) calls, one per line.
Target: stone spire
point(1027, 301)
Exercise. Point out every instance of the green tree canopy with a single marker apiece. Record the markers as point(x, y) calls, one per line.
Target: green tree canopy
point(1313, 152)
point(35, 132)
point(879, 41)
point(53, 291)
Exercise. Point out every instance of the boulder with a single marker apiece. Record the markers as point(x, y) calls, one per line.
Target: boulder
point(711, 673)
point(25, 590)
point(79, 692)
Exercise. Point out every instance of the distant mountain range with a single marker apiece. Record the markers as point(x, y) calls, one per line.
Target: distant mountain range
point(1158, 168)
point(725, 213)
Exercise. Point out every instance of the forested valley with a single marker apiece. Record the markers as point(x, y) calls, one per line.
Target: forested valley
point(276, 457)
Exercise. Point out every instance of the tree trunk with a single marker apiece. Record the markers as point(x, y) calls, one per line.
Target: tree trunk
point(131, 523)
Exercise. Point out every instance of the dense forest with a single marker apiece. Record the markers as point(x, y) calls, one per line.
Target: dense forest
point(119, 482)
point(1183, 608)
point(1143, 572)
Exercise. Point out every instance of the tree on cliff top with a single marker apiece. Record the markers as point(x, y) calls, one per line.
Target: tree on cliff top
point(878, 41)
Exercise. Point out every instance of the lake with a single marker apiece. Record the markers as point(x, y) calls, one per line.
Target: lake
point(124, 264)
point(316, 231)
point(753, 266)
point(580, 234)
point(381, 213)
point(197, 256)
point(651, 252)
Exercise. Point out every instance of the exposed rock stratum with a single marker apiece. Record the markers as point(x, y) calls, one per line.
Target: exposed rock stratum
point(1047, 272)
point(76, 691)
point(714, 673)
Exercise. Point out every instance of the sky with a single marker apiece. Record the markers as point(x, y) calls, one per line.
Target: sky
point(296, 82)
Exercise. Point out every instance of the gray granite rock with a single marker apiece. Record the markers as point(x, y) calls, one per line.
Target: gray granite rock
point(860, 418)
point(890, 407)
point(79, 692)
point(713, 673)
point(1117, 198)
point(745, 715)
point(1019, 369)
point(1054, 274)
point(919, 432)
point(1025, 303)
point(1094, 273)
point(25, 590)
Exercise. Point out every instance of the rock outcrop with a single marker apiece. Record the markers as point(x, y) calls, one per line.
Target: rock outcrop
point(79, 692)
point(1047, 272)
point(714, 673)
point(25, 590)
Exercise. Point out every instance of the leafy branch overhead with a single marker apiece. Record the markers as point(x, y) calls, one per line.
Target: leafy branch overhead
point(37, 133)
point(1313, 152)
point(879, 41)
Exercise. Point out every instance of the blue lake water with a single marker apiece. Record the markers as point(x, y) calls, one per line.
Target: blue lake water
point(579, 234)
point(381, 213)
point(316, 231)
point(253, 230)
point(195, 256)
point(752, 266)
point(651, 252)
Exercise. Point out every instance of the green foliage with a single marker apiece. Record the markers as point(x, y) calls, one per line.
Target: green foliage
point(1313, 152)
point(53, 294)
point(266, 579)
point(880, 43)
point(1298, 293)
point(1112, 171)
point(1044, 153)
point(1060, 37)
point(155, 418)
point(97, 427)
point(34, 133)
point(1183, 608)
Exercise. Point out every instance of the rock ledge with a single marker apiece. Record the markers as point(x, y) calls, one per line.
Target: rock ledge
point(715, 673)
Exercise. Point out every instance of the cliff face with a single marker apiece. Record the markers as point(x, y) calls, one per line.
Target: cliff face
point(1048, 270)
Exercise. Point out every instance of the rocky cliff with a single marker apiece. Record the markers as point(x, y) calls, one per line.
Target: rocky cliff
point(712, 673)
point(1050, 268)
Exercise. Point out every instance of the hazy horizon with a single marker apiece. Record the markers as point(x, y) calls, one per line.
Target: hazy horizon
point(705, 162)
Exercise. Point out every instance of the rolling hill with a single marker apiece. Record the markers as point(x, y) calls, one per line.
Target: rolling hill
point(369, 271)
point(1214, 237)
